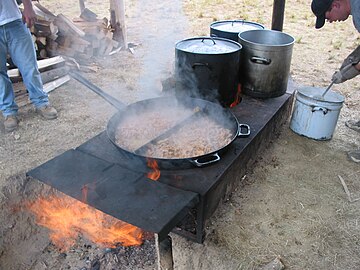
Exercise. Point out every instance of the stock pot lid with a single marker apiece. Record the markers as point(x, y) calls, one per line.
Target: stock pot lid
point(316, 92)
point(235, 26)
point(208, 45)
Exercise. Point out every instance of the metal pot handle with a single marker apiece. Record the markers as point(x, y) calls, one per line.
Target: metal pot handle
point(194, 65)
point(246, 133)
point(260, 60)
point(211, 39)
point(241, 21)
point(324, 110)
point(198, 163)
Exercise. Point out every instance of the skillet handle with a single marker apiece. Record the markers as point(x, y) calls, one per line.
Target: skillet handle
point(113, 101)
point(198, 163)
point(247, 131)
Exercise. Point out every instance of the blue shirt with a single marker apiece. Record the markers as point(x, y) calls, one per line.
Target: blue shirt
point(355, 13)
point(9, 11)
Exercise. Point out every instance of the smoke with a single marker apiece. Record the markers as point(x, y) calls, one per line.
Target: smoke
point(161, 25)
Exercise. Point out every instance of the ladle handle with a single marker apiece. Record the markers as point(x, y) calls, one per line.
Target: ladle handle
point(113, 101)
point(327, 89)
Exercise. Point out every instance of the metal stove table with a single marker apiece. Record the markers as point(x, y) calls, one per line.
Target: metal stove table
point(182, 199)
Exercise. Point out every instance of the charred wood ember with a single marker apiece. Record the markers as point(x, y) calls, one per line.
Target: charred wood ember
point(127, 258)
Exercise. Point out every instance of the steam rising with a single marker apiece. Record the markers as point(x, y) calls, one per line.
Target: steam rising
point(161, 25)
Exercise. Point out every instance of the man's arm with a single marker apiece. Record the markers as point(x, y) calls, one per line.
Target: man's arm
point(349, 69)
point(28, 14)
point(353, 58)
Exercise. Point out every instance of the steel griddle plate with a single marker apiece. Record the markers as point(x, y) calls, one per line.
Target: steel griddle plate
point(122, 193)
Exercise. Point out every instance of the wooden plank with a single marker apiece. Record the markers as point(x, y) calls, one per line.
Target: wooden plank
point(88, 15)
point(43, 12)
point(22, 96)
point(50, 86)
point(46, 30)
point(42, 64)
point(82, 5)
point(50, 62)
point(67, 23)
point(53, 74)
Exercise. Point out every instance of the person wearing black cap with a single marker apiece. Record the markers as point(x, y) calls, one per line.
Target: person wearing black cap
point(340, 10)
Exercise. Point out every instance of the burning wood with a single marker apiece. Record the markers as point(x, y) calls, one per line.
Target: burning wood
point(237, 97)
point(67, 218)
point(154, 174)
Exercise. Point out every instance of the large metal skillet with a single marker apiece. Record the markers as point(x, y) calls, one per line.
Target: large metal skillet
point(198, 106)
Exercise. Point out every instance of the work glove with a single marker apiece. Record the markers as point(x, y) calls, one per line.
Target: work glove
point(345, 73)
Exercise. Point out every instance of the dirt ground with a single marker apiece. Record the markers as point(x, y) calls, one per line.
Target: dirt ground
point(291, 203)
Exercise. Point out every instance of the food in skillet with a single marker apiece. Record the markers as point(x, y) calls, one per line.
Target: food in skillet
point(138, 129)
point(172, 133)
point(200, 137)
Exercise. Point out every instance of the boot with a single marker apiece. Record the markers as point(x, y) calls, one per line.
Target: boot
point(354, 125)
point(48, 112)
point(11, 123)
point(354, 155)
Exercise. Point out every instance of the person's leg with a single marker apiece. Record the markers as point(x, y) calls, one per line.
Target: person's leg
point(7, 97)
point(354, 155)
point(22, 52)
point(353, 124)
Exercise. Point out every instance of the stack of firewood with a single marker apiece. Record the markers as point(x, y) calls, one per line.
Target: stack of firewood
point(80, 38)
point(61, 43)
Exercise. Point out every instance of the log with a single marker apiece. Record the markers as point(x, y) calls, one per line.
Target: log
point(48, 29)
point(117, 21)
point(43, 12)
point(68, 26)
point(41, 40)
point(82, 5)
point(43, 53)
point(88, 15)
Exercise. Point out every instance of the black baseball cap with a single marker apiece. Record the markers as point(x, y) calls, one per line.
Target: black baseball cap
point(319, 8)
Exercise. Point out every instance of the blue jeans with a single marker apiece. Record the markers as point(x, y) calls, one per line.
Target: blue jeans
point(15, 39)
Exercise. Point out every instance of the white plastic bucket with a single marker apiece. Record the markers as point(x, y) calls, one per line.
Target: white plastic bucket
point(314, 116)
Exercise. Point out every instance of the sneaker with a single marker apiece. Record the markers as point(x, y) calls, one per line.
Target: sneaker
point(354, 155)
point(11, 123)
point(355, 125)
point(48, 112)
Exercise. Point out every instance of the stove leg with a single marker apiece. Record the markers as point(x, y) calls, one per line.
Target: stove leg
point(164, 253)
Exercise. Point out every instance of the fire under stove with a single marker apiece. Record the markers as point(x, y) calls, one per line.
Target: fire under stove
point(182, 200)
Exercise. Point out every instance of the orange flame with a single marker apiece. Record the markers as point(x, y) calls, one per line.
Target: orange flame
point(155, 173)
point(67, 218)
point(237, 97)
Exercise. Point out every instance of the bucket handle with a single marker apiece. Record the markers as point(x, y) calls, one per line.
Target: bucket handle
point(324, 110)
point(260, 60)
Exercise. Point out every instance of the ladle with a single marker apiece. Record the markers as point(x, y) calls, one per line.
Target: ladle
point(327, 89)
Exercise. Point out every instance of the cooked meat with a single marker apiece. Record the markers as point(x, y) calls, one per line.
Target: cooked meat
point(197, 138)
